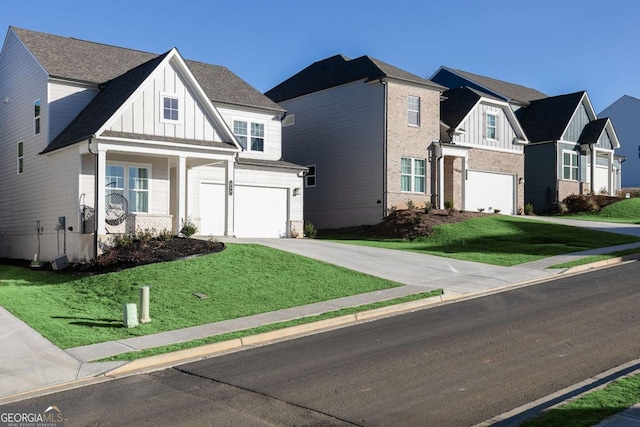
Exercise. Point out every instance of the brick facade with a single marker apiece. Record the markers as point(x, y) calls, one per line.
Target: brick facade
point(404, 140)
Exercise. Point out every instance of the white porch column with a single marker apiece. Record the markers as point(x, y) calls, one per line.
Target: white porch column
point(181, 195)
point(593, 168)
point(441, 182)
point(231, 177)
point(101, 176)
point(610, 175)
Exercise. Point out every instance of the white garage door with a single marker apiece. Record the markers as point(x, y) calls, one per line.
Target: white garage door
point(490, 191)
point(212, 209)
point(260, 212)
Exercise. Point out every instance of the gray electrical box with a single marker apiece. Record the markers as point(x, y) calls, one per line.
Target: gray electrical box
point(62, 222)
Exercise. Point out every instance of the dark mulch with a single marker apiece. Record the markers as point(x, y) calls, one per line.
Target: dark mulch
point(148, 251)
point(405, 224)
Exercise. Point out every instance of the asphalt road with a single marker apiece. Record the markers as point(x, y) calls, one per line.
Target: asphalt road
point(457, 365)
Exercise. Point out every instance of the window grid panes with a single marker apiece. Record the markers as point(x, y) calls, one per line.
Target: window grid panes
point(310, 177)
point(240, 131)
point(413, 110)
point(491, 126)
point(170, 108)
point(570, 166)
point(36, 117)
point(257, 137)
point(413, 175)
point(132, 181)
point(20, 158)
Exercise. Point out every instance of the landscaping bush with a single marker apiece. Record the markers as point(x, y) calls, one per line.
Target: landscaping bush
point(588, 203)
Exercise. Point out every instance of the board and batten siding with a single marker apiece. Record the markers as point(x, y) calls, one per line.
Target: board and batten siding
point(66, 101)
point(579, 120)
point(341, 131)
point(475, 127)
point(272, 130)
point(144, 114)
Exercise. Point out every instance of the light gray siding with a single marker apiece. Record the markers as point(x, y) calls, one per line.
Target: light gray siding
point(604, 141)
point(66, 101)
point(579, 120)
point(340, 131)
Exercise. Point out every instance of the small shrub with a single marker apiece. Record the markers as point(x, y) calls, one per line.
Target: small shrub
point(392, 209)
point(188, 228)
point(480, 210)
point(165, 235)
point(528, 209)
point(427, 207)
point(448, 205)
point(496, 211)
point(410, 204)
point(309, 230)
point(144, 235)
point(122, 240)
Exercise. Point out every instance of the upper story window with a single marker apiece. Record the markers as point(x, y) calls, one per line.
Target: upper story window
point(413, 175)
point(170, 108)
point(253, 141)
point(491, 130)
point(310, 177)
point(569, 165)
point(20, 158)
point(131, 182)
point(413, 110)
point(36, 117)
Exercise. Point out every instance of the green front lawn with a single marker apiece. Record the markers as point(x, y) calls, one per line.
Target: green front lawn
point(240, 281)
point(625, 211)
point(500, 240)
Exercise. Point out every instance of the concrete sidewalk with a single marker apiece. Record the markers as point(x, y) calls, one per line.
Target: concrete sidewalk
point(30, 364)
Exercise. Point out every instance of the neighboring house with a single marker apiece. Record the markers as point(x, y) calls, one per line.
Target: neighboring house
point(565, 138)
point(85, 125)
point(625, 116)
point(481, 156)
point(570, 150)
point(366, 131)
point(517, 96)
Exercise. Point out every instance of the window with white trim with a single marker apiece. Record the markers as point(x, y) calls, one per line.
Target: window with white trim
point(170, 108)
point(36, 117)
point(569, 165)
point(413, 110)
point(253, 141)
point(491, 129)
point(20, 157)
point(413, 175)
point(132, 182)
point(310, 177)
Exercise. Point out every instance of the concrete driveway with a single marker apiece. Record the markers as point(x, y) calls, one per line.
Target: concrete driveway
point(432, 272)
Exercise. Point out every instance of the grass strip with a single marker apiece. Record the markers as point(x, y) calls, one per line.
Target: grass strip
point(134, 355)
point(596, 258)
point(593, 407)
point(499, 240)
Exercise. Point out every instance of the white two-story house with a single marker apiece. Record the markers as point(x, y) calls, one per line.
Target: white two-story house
point(97, 140)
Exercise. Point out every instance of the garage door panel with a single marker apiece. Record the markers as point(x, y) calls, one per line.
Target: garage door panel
point(260, 211)
point(489, 191)
point(212, 209)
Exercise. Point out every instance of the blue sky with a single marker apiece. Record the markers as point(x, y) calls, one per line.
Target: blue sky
point(557, 47)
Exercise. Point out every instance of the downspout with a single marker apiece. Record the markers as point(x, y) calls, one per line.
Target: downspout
point(95, 199)
point(384, 150)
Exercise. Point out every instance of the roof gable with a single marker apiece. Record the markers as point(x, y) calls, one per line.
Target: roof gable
point(547, 119)
point(105, 114)
point(95, 63)
point(338, 70)
point(601, 133)
point(510, 92)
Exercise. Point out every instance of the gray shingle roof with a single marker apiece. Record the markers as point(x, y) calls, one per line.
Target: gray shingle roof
point(514, 93)
point(457, 104)
point(592, 131)
point(546, 119)
point(89, 62)
point(337, 70)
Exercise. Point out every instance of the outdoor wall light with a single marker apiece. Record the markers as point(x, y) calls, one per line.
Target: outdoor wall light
point(230, 188)
point(296, 191)
point(521, 180)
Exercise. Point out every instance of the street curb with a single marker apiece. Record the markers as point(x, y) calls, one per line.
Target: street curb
point(167, 360)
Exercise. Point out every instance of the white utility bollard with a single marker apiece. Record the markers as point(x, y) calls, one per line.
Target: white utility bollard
point(129, 315)
point(144, 305)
